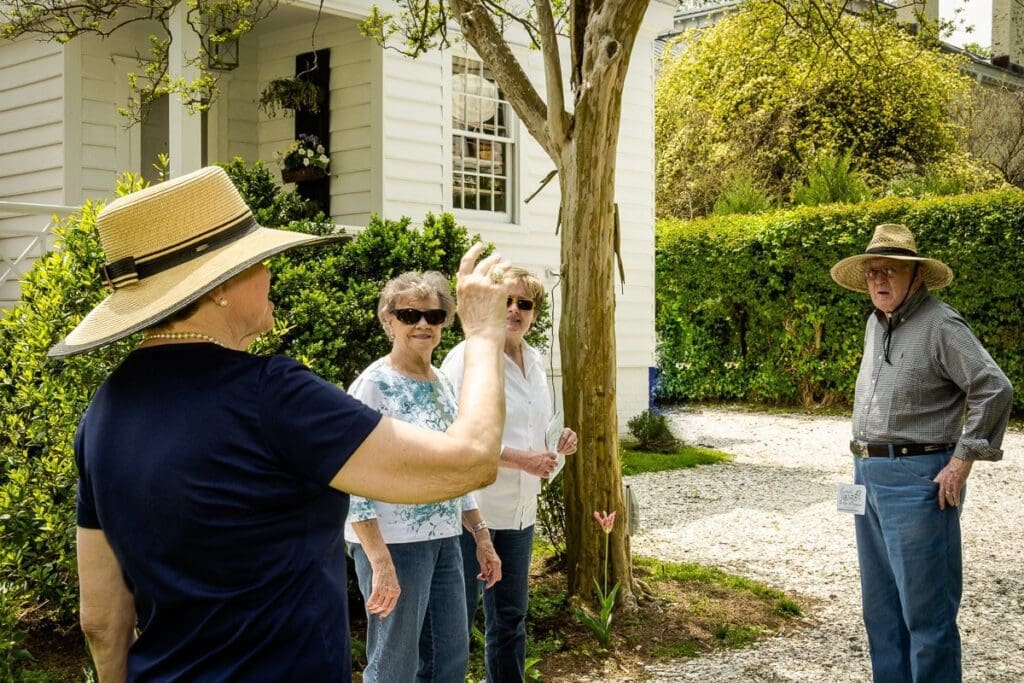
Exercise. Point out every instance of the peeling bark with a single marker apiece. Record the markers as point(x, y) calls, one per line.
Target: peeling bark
point(583, 147)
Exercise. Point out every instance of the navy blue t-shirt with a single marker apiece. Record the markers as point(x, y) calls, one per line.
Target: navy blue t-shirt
point(207, 470)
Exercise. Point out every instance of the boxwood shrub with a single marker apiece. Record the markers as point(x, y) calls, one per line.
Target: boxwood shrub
point(746, 308)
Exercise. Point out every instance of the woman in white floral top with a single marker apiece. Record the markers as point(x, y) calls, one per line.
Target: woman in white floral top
point(408, 557)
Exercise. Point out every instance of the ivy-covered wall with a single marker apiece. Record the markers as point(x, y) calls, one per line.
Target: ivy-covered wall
point(746, 308)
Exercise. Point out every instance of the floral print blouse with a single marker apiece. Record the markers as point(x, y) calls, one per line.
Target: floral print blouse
point(429, 404)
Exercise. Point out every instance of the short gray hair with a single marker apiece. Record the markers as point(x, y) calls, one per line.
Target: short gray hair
point(417, 286)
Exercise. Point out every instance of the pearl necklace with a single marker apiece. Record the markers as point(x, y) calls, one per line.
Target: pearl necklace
point(184, 335)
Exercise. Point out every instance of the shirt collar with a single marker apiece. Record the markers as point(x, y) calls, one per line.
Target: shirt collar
point(530, 357)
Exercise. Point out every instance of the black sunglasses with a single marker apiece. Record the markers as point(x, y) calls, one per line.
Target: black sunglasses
point(411, 316)
point(522, 304)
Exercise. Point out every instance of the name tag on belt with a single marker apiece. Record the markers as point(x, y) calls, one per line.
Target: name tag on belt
point(851, 498)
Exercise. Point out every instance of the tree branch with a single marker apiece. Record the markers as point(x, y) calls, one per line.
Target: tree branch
point(498, 9)
point(479, 30)
point(558, 120)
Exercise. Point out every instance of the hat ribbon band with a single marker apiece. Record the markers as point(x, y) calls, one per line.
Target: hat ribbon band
point(891, 251)
point(127, 270)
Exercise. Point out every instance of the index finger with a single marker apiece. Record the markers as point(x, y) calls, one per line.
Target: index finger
point(489, 267)
point(468, 259)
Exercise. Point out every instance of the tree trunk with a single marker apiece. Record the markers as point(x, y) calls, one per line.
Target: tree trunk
point(587, 343)
point(583, 150)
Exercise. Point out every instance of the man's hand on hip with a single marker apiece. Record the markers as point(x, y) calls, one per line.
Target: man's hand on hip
point(951, 482)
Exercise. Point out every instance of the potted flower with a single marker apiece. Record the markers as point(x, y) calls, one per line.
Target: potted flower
point(304, 161)
point(290, 93)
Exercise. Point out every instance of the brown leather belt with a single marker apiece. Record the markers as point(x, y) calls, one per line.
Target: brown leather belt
point(896, 450)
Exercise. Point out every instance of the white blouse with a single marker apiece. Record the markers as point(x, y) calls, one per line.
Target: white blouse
point(511, 501)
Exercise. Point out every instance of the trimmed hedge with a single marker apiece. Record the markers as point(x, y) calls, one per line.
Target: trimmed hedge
point(746, 308)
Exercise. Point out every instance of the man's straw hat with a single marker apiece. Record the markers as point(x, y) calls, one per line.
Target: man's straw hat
point(169, 244)
point(893, 241)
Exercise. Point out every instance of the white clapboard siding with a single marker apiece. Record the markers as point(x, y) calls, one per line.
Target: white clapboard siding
point(31, 145)
point(31, 114)
point(103, 137)
point(354, 110)
point(355, 127)
point(414, 135)
point(634, 184)
point(235, 112)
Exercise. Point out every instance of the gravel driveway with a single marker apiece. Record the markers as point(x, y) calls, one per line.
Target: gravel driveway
point(771, 515)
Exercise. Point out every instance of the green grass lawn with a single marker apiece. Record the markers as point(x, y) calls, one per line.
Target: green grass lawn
point(637, 462)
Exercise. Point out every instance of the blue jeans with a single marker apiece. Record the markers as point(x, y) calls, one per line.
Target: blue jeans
point(428, 618)
point(910, 570)
point(504, 605)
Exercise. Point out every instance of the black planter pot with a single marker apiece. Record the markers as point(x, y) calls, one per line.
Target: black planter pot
point(307, 174)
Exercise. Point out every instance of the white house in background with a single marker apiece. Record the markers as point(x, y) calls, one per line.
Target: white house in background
point(402, 142)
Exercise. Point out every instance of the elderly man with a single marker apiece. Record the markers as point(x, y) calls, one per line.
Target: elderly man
point(929, 402)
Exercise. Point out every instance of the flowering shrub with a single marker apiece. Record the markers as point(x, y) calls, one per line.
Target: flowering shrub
point(305, 152)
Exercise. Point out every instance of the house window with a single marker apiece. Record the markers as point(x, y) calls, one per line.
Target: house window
point(481, 140)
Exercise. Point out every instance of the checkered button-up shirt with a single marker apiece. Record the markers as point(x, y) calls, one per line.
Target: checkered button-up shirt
point(939, 386)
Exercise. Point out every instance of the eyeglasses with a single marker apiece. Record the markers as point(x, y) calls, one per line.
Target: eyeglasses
point(885, 271)
point(411, 316)
point(521, 304)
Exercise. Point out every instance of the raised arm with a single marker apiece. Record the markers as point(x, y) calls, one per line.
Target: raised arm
point(402, 463)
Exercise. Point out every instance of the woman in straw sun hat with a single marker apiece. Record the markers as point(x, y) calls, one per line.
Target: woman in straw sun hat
point(213, 483)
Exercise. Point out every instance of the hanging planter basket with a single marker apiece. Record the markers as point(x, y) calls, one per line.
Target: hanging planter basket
point(306, 174)
point(292, 93)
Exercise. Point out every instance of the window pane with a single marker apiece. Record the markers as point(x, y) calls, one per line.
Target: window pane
point(499, 195)
point(457, 201)
point(501, 120)
point(485, 194)
point(498, 163)
point(458, 150)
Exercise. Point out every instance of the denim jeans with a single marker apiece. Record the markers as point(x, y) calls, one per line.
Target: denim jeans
point(429, 616)
point(910, 570)
point(504, 604)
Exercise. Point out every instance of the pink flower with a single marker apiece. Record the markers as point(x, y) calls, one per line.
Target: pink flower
point(606, 520)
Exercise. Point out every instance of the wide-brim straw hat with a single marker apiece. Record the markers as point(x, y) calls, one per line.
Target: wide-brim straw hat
point(168, 245)
point(892, 241)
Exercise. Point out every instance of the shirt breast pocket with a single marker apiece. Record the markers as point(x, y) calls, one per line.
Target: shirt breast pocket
point(913, 369)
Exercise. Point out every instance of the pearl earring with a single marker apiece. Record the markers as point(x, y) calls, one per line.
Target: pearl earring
point(222, 303)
